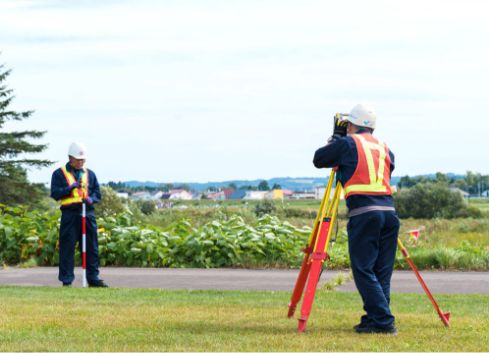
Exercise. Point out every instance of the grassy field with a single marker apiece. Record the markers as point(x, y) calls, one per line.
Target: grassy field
point(60, 319)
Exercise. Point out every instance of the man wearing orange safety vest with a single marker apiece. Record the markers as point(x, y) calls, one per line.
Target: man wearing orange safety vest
point(72, 185)
point(364, 166)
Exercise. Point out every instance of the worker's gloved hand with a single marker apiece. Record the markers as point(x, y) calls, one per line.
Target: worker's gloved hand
point(333, 138)
point(88, 200)
point(339, 127)
point(75, 185)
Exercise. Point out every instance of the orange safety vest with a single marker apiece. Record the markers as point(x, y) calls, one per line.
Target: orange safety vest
point(77, 194)
point(373, 173)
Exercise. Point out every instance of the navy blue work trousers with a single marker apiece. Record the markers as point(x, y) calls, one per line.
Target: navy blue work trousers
point(71, 233)
point(372, 243)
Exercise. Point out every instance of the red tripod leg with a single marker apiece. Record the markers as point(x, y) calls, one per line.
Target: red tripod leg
point(445, 317)
point(317, 259)
point(303, 273)
point(301, 280)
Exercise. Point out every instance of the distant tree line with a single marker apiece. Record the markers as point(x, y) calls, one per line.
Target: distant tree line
point(166, 187)
point(473, 183)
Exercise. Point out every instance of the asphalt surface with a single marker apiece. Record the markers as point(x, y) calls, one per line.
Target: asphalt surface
point(240, 279)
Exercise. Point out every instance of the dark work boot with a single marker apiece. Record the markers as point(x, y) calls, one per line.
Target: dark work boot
point(363, 323)
point(98, 283)
point(389, 330)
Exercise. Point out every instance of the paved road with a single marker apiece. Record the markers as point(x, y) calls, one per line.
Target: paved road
point(239, 279)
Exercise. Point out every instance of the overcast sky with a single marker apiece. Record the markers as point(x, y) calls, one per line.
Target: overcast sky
point(195, 90)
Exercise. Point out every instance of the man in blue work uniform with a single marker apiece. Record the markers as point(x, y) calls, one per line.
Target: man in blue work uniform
point(72, 185)
point(365, 165)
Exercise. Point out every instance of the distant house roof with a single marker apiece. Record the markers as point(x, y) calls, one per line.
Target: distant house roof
point(228, 192)
point(463, 193)
point(218, 195)
point(237, 195)
point(177, 191)
point(180, 194)
point(142, 195)
point(287, 192)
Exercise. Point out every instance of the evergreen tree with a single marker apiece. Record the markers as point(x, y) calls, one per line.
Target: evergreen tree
point(14, 185)
point(263, 186)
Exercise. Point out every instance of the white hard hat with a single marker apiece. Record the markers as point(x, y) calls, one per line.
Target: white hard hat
point(77, 150)
point(362, 115)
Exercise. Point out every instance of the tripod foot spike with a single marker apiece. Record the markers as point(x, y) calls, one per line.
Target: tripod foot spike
point(446, 318)
point(291, 310)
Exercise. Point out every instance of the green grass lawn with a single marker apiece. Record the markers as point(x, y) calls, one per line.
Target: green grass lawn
point(69, 319)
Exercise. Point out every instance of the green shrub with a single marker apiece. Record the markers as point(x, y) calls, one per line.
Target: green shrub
point(28, 234)
point(111, 204)
point(198, 216)
point(466, 257)
point(291, 212)
point(228, 240)
point(265, 207)
point(148, 207)
point(429, 200)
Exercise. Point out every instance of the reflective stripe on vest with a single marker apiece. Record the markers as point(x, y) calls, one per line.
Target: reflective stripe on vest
point(372, 175)
point(77, 194)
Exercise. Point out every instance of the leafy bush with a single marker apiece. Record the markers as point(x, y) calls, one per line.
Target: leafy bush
point(265, 207)
point(148, 207)
point(28, 234)
point(431, 201)
point(111, 204)
point(465, 256)
point(198, 216)
point(227, 241)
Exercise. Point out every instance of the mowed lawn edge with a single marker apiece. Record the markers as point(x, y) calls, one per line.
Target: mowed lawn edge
point(71, 319)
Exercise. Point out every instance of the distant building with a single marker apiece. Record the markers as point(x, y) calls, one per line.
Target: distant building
point(216, 195)
point(275, 194)
point(255, 195)
point(237, 195)
point(228, 192)
point(463, 193)
point(180, 194)
point(123, 195)
point(287, 194)
point(319, 193)
point(141, 195)
point(304, 195)
point(158, 195)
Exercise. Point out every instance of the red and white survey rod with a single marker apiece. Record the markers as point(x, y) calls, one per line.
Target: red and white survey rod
point(84, 243)
point(445, 317)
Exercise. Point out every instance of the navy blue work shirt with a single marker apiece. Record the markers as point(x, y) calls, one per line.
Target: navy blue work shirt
point(342, 152)
point(61, 189)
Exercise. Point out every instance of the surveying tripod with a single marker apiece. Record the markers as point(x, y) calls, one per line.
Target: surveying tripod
point(316, 252)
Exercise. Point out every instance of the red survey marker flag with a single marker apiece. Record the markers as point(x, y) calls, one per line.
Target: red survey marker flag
point(414, 233)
